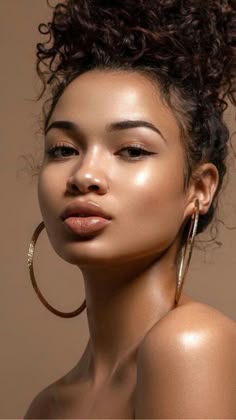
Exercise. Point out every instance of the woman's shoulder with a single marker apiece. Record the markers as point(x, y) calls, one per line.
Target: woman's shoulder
point(188, 323)
point(195, 314)
point(48, 401)
point(188, 358)
point(40, 405)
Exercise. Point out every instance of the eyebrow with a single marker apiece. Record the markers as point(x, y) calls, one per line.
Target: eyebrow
point(119, 125)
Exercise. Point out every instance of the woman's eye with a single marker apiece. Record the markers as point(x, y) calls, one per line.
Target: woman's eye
point(63, 151)
point(60, 151)
point(135, 152)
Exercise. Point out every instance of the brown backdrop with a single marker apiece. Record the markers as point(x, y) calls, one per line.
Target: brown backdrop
point(36, 346)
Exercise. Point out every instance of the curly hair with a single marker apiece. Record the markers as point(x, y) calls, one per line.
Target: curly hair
point(188, 47)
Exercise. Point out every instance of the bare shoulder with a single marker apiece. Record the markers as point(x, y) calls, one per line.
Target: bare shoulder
point(43, 404)
point(188, 358)
point(192, 317)
point(55, 399)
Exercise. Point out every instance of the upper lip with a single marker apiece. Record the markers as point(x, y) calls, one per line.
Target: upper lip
point(81, 207)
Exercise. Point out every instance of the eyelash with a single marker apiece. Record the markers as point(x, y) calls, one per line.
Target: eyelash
point(51, 152)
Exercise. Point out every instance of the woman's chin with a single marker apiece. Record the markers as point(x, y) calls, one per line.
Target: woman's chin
point(84, 258)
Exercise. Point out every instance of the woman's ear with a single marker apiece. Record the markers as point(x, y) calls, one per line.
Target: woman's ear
point(203, 185)
point(206, 183)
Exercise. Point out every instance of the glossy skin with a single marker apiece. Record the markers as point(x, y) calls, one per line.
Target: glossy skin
point(128, 268)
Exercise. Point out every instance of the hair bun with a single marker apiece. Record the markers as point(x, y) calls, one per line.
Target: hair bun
point(193, 43)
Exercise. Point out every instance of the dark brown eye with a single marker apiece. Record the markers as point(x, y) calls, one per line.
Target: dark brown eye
point(136, 152)
point(60, 151)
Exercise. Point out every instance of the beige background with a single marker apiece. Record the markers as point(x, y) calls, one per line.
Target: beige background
point(36, 346)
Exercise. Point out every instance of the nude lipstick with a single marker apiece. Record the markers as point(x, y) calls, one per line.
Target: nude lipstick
point(85, 217)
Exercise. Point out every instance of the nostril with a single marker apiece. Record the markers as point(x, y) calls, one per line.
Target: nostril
point(74, 187)
point(93, 187)
point(88, 188)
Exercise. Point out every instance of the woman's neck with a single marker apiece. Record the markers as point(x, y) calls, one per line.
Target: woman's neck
point(123, 303)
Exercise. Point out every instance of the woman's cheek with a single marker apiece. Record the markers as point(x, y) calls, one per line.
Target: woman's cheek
point(47, 191)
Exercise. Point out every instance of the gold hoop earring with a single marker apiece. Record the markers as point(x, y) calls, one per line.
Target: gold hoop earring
point(33, 241)
point(189, 243)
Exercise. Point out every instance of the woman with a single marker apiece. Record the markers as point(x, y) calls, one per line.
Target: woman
point(135, 149)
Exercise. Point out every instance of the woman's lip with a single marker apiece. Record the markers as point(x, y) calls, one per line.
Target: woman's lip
point(85, 225)
point(89, 208)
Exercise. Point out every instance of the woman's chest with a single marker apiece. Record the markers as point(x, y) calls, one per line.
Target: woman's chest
point(83, 402)
point(105, 405)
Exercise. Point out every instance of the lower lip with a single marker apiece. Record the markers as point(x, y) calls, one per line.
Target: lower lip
point(85, 225)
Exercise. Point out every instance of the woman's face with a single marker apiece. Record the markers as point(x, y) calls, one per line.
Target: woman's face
point(142, 191)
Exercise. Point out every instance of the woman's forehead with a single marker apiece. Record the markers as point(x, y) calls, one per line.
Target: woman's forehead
point(104, 97)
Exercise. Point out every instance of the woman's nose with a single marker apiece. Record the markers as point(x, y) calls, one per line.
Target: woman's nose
point(88, 176)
